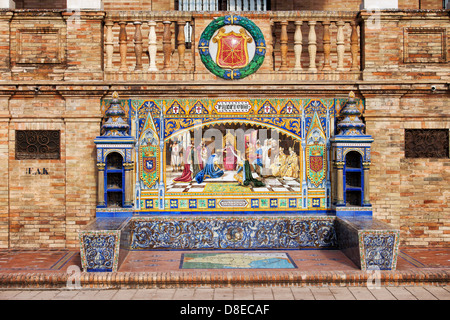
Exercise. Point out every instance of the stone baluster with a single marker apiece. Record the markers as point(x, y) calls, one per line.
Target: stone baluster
point(109, 45)
point(138, 45)
point(340, 45)
point(123, 46)
point(284, 45)
point(298, 45)
point(269, 45)
point(181, 43)
point(167, 44)
point(152, 47)
point(354, 46)
point(312, 46)
point(326, 46)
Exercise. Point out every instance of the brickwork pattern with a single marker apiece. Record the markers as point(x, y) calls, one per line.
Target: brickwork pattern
point(34, 222)
point(411, 194)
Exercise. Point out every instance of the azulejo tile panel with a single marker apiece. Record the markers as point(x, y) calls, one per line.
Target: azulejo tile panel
point(232, 233)
point(99, 250)
point(206, 151)
point(379, 250)
point(369, 243)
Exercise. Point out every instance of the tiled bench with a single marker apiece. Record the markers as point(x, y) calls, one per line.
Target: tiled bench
point(371, 244)
point(104, 244)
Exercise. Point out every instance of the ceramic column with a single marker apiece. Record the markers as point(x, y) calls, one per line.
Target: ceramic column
point(128, 167)
point(340, 183)
point(366, 201)
point(101, 184)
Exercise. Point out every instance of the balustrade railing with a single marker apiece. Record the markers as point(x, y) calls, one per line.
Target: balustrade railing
point(152, 21)
point(310, 42)
point(312, 20)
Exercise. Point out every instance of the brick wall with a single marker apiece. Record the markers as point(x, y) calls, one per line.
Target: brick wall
point(411, 194)
point(84, 46)
point(276, 5)
point(395, 46)
point(34, 221)
point(163, 5)
point(82, 119)
point(47, 210)
point(431, 4)
point(4, 185)
point(155, 5)
point(40, 4)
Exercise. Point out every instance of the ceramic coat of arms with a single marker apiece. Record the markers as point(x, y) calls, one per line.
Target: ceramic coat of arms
point(232, 47)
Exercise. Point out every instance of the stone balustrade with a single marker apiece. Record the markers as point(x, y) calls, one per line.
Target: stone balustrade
point(323, 33)
point(146, 46)
point(154, 22)
point(311, 45)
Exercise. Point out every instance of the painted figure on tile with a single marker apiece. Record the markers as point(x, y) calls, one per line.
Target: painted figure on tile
point(244, 174)
point(211, 170)
point(175, 156)
point(204, 152)
point(258, 162)
point(192, 164)
point(279, 163)
point(186, 176)
point(266, 155)
point(229, 157)
point(291, 170)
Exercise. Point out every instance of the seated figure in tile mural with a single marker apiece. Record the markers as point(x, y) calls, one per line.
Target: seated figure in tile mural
point(211, 170)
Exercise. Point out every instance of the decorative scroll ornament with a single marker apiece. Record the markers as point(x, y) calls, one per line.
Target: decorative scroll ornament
point(231, 52)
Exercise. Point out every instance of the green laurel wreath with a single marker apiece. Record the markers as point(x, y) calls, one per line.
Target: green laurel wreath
point(229, 74)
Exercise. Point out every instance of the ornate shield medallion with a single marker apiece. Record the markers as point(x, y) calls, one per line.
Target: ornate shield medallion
point(232, 47)
point(315, 162)
point(148, 165)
